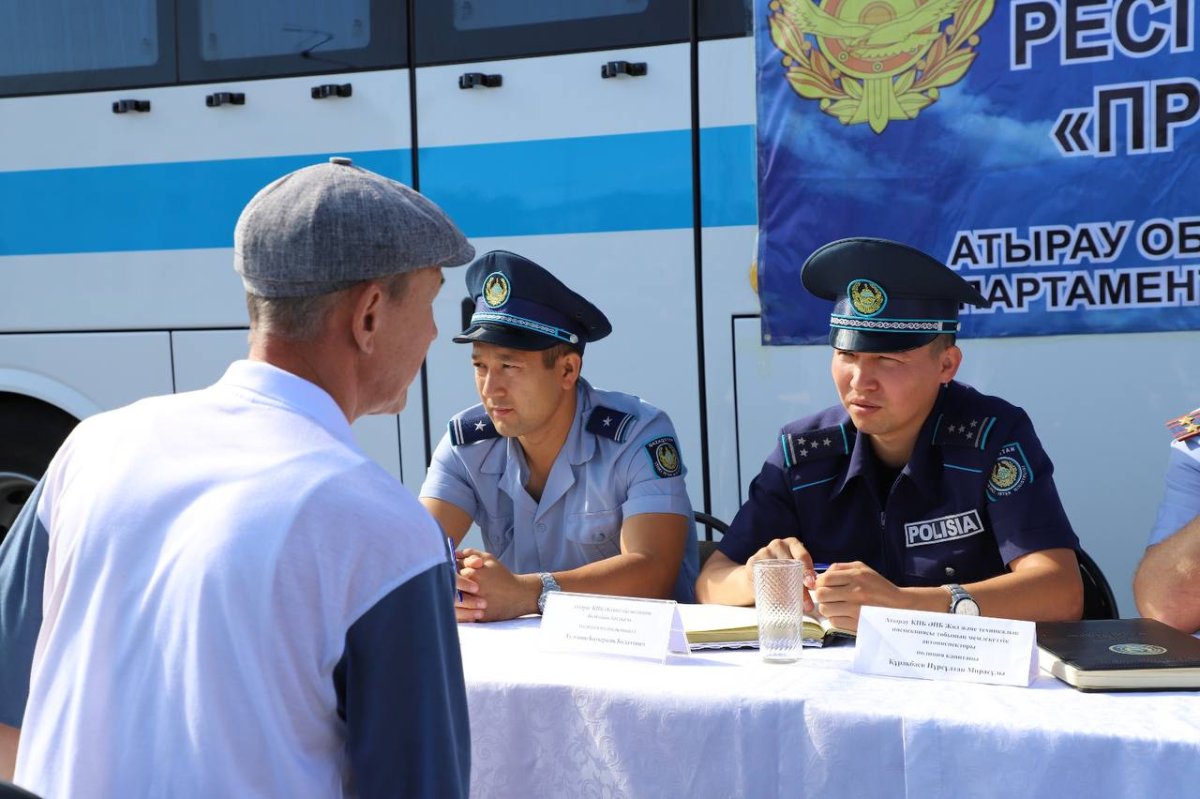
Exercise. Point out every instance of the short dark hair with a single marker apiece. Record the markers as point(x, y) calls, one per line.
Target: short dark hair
point(942, 342)
point(551, 356)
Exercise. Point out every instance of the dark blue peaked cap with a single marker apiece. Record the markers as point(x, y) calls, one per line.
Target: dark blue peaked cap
point(519, 304)
point(888, 297)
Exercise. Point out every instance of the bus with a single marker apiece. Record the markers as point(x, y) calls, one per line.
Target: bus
point(612, 141)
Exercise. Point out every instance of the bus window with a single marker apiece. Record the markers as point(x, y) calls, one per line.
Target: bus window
point(476, 30)
point(225, 39)
point(78, 45)
point(477, 14)
point(721, 19)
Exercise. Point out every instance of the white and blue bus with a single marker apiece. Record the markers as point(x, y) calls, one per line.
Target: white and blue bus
point(611, 140)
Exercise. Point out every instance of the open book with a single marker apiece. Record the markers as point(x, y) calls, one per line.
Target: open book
point(727, 626)
point(1119, 655)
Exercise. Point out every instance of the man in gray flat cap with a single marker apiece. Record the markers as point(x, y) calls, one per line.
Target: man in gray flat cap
point(232, 588)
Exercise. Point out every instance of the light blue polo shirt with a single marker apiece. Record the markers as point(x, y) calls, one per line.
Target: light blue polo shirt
point(1181, 498)
point(596, 482)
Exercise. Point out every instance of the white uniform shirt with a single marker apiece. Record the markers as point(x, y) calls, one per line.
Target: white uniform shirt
point(596, 483)
point(208, 556)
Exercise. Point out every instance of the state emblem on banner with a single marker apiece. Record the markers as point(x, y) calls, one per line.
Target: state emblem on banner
point(875, 61)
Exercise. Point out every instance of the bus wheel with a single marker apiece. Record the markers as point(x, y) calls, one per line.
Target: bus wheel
point(31, 432)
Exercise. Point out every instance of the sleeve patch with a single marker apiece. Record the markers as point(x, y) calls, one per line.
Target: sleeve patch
point(664, 455)
point(469, 427)
point(814, 445)
point(1010, 473)
point(1186, 426)
point(966, 432)
point(609, 423)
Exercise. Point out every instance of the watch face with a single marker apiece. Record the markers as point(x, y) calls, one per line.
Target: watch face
point(966, 606)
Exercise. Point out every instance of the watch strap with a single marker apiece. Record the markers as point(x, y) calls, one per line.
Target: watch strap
point(548, 584)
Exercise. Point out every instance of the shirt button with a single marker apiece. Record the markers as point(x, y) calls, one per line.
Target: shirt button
point(949, 571)
point(541, 528)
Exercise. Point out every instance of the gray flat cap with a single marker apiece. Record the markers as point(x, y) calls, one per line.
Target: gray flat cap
point(326, 227)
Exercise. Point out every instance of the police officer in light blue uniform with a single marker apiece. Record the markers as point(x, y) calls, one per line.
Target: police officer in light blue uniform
point(920, 492)
point(573, 488)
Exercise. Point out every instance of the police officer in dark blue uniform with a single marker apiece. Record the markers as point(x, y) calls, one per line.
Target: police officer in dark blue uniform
point(920, 492)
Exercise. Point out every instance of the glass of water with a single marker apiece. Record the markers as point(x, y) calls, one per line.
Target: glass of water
point(779, 597)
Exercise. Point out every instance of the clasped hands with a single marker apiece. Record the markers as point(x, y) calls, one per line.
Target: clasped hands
point(488, 591)
point(838, 594)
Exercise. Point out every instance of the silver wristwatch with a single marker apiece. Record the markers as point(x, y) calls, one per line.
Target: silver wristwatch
point(548, 584)
point(961, 601)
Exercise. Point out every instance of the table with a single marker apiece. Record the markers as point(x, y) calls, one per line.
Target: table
point(725, 724)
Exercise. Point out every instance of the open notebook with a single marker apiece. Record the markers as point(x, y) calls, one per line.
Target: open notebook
point(727, 626)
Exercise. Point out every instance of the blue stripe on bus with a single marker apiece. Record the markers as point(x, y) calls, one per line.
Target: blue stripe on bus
point(590, 184)
point(728, 176)
point(171, 206)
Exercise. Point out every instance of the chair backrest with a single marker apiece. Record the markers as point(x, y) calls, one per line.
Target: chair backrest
point(712, 524)
point(1098, 599)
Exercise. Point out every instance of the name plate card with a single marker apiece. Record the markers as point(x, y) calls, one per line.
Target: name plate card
point(945, 646)
point(647, 628)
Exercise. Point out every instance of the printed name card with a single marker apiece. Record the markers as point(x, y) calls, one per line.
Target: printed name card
point(648, 628)
point(945, 646)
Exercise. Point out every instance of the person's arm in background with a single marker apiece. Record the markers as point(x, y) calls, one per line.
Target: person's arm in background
point(22, 574)
point(1166, 585)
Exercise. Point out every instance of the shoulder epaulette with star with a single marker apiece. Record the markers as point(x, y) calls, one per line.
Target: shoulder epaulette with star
point(1185, 426)
point(471, 426)
point(963, 432)
point(609, 423)
point(813, 445)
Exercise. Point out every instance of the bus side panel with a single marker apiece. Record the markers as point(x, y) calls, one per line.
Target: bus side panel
point(86, 373)
point(136, 212)
point(727, 164)
point(590, 177)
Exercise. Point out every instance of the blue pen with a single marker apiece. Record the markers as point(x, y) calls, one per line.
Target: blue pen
point(820, 568)
point(453, 563)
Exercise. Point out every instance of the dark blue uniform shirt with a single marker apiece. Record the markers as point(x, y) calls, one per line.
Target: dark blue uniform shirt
point(977, 492)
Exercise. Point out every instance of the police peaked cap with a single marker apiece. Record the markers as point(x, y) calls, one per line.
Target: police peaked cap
point(520, 305)
point(888, 297)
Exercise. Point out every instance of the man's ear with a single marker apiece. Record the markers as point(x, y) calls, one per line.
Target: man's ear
point(568, 367)
point(367, 305)
point(949, 360)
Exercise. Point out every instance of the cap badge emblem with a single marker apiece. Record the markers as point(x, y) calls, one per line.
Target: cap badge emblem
point(866, 297)
point(496, 289)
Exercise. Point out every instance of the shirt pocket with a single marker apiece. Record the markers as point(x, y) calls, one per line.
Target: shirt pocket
point(497, 530)
point(598, 534)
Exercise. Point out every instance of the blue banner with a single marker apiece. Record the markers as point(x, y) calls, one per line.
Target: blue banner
point(1045, 149)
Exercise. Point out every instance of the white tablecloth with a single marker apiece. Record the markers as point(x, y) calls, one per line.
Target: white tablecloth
point(724, 724)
